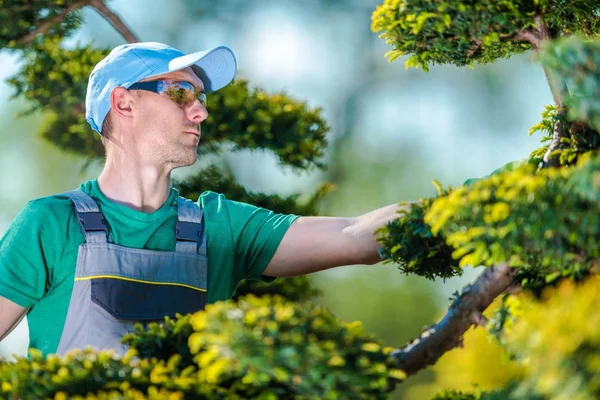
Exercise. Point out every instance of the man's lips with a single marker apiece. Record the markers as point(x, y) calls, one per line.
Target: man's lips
point(194, 133)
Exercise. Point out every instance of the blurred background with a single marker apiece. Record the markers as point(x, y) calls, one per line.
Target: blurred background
point(393, 132)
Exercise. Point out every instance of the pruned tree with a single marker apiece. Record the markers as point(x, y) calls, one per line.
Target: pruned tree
point(534, 224)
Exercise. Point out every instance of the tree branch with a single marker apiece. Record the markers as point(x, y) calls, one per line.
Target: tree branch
point(475, 48)
point(555, 91)
point(538, 37)
point(114, 20)
point(529, 36)
point(545, 36)
point(542, 28)
point(45, 26)
point(552, 160)
point(465, 311)
point(549, 159)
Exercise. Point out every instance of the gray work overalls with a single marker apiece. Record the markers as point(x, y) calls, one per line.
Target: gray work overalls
point(116, 287)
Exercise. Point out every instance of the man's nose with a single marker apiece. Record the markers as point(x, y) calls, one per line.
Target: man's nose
point(197, 113)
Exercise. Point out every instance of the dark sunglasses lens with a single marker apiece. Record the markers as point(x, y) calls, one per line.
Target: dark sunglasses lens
point(179, 95)
point(183, 93)
point(202, 97)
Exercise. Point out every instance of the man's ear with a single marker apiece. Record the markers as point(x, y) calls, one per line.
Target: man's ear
point(121, 102)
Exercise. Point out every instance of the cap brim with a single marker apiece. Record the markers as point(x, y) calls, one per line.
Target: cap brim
point(215, 67)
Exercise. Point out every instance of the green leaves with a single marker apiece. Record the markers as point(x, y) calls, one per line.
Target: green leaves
point(269, 344)
point(409, 242)
point(55, 78)
point(294, 289)
point(252, 119)
point(455, 32)
point(212, 178)
point(54, 81)
point(477, 31)
point(20, 20)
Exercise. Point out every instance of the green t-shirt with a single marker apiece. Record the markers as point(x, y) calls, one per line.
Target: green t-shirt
point(38, 253)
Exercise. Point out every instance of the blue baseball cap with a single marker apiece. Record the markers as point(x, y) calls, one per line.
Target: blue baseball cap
point(132, 62)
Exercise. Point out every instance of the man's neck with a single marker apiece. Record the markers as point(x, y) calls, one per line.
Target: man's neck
point(141, 188)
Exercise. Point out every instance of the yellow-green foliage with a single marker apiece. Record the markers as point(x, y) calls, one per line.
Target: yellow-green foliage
point(558, 342)
point(271, 345)
point(525, 218)
point(464, 32)
point(504, 316)
point(575, 62)
point(87, 374)
point(19, 18)
point(519, 215)
point(553, 343)
point(482, 364)
point(264, 347)
point(450, 394)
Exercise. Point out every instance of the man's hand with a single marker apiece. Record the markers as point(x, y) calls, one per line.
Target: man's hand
point(316, 243)
point(10, 316)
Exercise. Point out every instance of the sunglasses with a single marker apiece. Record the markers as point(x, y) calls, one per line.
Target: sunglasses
point(181, 92)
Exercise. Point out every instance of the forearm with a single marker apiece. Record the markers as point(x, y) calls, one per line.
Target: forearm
point(362, 230)
point(314, 244)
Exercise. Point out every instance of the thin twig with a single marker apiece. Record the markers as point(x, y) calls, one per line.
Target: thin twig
point(474, 49)
point(529, 36)
point(114, 20)
point(45, 26)
point(464, 312)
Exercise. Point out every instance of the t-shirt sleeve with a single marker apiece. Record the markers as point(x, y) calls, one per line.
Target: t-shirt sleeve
point(256, 232)
point(25, 250)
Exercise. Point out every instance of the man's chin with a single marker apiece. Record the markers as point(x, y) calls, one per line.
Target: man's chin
point(185, 160)
point(188, 162)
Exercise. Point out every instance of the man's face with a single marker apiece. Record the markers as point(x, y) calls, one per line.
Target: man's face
point(167, 133)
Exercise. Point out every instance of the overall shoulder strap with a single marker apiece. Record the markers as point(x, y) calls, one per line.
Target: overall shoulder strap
point(89, 216)
point(189, 232)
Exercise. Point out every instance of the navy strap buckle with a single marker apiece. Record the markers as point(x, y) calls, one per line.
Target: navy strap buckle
point(92, 221)
point(188, 231)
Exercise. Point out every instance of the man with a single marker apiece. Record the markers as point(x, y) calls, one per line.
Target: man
point(85, 265)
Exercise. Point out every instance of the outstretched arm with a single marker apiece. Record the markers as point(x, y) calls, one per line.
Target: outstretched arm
point(316, 243)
